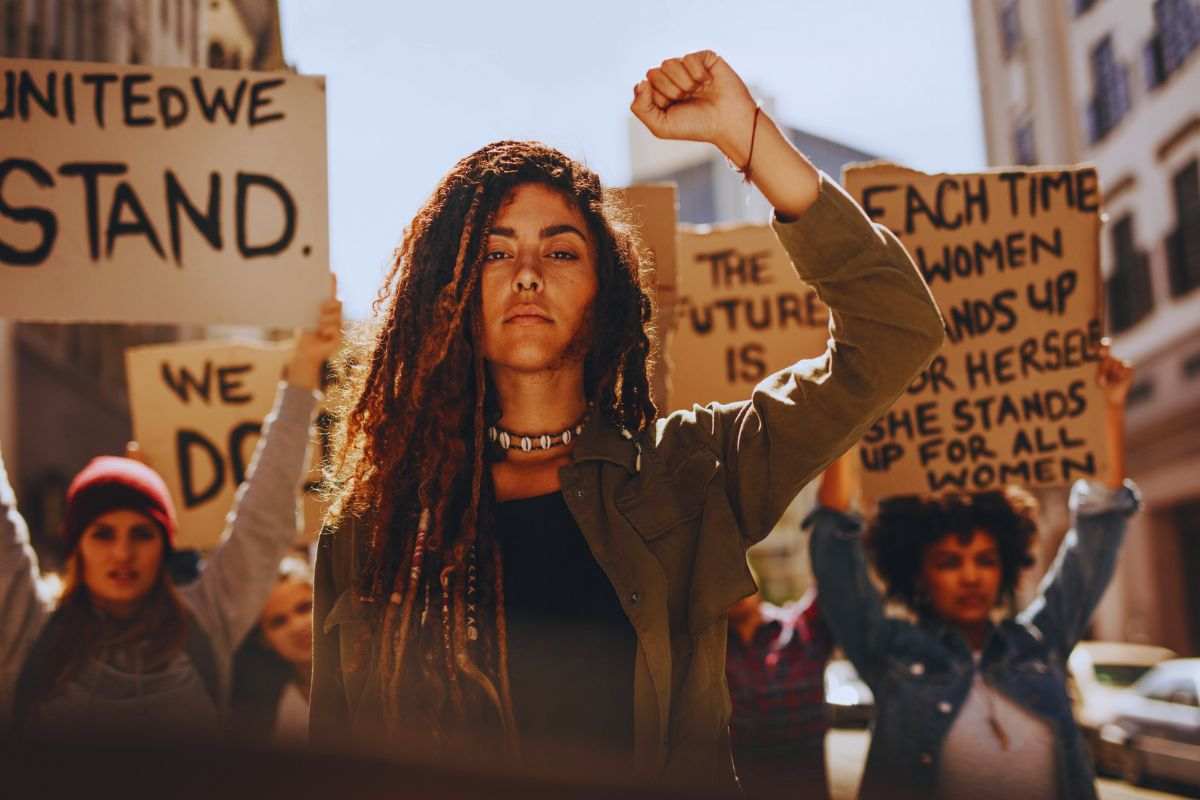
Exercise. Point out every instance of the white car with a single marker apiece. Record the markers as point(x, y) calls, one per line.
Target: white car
point(1100, 673)
point(1156, 733)
point(848, 699)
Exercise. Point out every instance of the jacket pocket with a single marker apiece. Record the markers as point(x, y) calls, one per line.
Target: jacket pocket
point(667, 497)
point(916, 671)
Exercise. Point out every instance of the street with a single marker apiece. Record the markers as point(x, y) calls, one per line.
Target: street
point(847, 749)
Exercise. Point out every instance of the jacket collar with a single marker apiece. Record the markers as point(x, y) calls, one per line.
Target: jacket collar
point(949, 636)
point(603, 440)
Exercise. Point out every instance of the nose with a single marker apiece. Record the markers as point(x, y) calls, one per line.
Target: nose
point(969, 574)
point(528, 275)
point(123, 548)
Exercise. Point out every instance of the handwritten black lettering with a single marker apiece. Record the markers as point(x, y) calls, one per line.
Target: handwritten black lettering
point(42, 217)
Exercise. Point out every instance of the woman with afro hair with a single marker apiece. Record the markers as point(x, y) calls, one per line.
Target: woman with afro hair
point(526, 564)
point(971, 702)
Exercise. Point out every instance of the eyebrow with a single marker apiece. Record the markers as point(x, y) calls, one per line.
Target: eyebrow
point(545, 233)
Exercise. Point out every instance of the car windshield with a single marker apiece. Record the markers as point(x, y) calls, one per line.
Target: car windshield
point(1119, 675)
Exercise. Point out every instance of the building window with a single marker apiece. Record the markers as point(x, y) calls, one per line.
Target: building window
point(1183, 243)
point(1083, 6)
point(35, 41)
point(1140, 392)
point(195, 39)
point(12, 27)
point(1110, 80)
point(179, 23)
point(1191, 366)
point(1023, 140)
point(80, 51)
point(1010, 27)
point(52, 14)
point(1130, 297)
point(1176, 36)
point(216, 55)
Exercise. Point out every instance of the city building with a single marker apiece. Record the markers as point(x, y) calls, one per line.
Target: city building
point(63, 397)
point(1117, 84)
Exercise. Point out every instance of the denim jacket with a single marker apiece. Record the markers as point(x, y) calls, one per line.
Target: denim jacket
point(922, 673)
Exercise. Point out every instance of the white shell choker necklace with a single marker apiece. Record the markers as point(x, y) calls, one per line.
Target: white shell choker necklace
point(527, 443)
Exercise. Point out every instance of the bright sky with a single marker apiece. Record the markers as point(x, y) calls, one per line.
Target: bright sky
point(413, 87)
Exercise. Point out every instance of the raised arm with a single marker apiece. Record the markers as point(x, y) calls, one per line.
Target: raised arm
point(228, 596)
point(1086, 559)
point(851, 605)
point(884, 324)
point(23, 608)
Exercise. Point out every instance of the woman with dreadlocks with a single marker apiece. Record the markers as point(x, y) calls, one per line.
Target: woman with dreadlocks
point(524, 554)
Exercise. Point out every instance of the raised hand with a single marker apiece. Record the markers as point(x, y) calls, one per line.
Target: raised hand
point(700, 98)
point(1114, 377)
point(316, 346)
point(839, 487)
point(697, 98)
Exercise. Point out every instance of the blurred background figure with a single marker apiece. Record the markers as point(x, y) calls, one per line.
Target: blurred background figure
point(775, 667)
point(272, 669)
point(123, 650)
point(971, 704)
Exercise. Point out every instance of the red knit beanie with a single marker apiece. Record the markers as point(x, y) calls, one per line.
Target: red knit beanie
point(109, 483)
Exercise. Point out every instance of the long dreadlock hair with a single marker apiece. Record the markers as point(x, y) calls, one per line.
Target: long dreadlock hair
point(411, 450)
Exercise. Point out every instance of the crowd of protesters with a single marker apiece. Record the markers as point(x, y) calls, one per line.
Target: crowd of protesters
point(524, 559)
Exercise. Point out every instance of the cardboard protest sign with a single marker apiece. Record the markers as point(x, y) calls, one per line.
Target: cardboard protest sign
point(198, 410)
point(742, 313)
point(131, 194)
point(654, 211)
point(1012, 258)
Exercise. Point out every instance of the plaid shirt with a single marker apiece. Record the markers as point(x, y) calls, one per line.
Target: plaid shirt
point(777, 684)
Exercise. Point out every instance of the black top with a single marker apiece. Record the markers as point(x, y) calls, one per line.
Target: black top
point(571, 648)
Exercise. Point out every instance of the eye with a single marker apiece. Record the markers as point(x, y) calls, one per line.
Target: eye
point(495, 254)
point(563, 255)
point(143, 533)
point(988, 560)
point(946, 562)
point(102, 533)
point(276, 621)
point(304, 608)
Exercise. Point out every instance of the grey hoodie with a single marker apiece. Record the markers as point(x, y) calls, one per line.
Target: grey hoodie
point(112, 691)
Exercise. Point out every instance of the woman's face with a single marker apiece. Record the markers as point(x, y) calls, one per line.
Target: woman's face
point(962, 580)
point(539, 281)
point(122, 553)
point(287, 621)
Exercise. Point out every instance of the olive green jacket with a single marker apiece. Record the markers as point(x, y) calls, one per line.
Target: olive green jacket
point(670, 529)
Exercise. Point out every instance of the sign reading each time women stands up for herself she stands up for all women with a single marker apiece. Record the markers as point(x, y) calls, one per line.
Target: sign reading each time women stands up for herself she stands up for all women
point(1012, 258)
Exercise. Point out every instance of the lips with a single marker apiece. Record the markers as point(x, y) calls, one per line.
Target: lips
point(123, 577)
point(527, 314)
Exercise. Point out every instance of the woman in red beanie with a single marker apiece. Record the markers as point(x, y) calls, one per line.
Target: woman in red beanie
point(124, 650)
